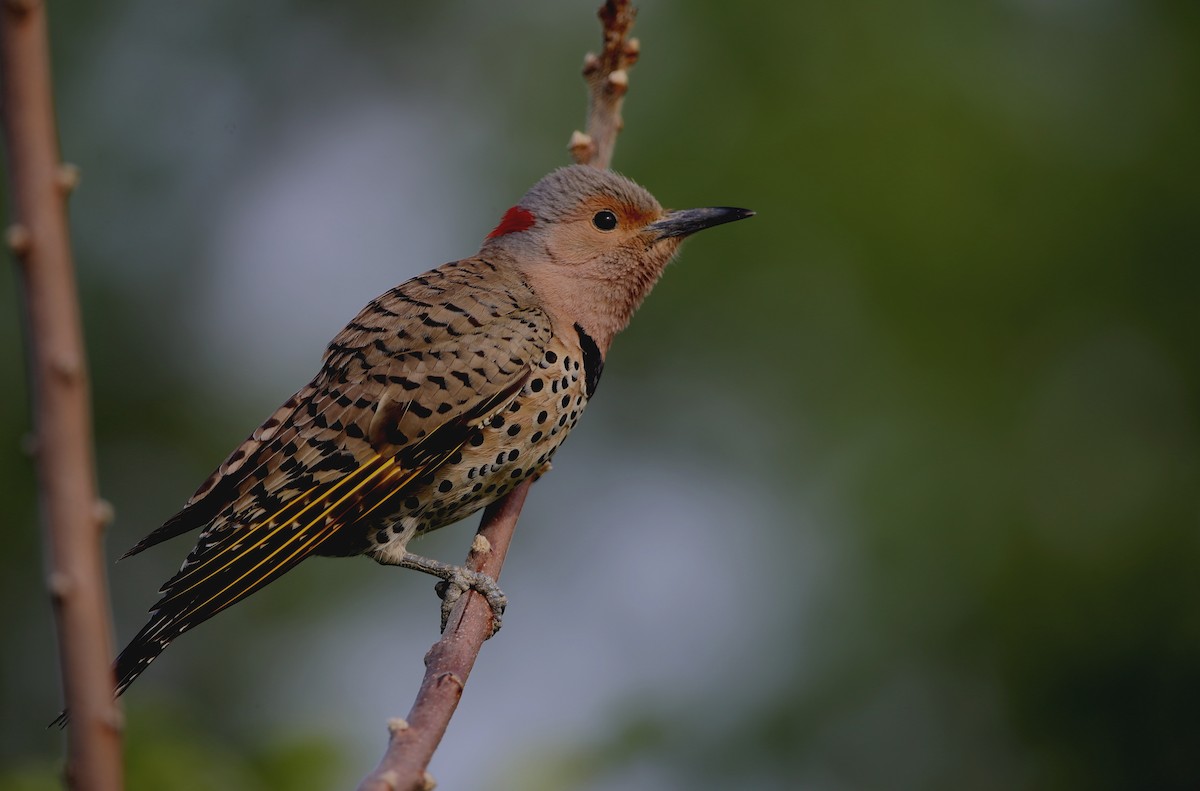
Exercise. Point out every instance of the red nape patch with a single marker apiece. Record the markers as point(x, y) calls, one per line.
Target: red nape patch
point(515, 219)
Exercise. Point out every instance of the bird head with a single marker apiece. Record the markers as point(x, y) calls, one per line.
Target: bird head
point(592, 243)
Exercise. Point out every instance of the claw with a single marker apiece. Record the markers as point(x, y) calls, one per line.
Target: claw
point(455, 581)
point(461, 580)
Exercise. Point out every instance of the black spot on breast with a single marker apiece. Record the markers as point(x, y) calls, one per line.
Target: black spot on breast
point(593, 362)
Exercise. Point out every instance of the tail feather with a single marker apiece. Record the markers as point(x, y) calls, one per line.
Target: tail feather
point(143, 649)
point(231, 563)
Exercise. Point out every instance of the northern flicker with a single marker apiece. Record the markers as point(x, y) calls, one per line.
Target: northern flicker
point(439, 397)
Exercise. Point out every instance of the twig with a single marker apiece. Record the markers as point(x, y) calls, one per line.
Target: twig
point(73, 519)
point(412, 741)
point(607, 76)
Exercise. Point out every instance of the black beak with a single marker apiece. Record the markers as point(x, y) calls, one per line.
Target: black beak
point(687, 221)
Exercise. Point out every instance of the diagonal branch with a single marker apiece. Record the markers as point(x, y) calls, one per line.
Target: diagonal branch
point(412, 741)
point(72, 517)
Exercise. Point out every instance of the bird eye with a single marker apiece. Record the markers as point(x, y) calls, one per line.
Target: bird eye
point(605, 220)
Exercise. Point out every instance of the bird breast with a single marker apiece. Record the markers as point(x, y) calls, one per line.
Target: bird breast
point(515, 443)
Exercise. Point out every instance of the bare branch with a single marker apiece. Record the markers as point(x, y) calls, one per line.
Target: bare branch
point(73, 517)
point(607, 76)
point(412, 742)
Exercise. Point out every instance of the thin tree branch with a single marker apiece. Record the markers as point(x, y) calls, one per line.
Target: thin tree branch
point(72, 516)
point(607, 77)
point(412, 741)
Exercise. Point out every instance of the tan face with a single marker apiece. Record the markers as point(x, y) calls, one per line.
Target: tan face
point(601, 229)
point(591, 244)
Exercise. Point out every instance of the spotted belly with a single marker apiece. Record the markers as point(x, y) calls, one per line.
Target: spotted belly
point(513, 445)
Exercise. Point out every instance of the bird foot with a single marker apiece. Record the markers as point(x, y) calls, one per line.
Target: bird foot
point(457, 580)
point(451, 589)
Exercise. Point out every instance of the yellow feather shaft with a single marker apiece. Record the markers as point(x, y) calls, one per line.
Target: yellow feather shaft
point(220, 555)
point(300, 532)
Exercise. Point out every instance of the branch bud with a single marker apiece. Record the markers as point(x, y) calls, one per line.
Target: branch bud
point(480, 545)
point(59, 585)
point(104, 513)
point(114, 718)
point(590, 64)
point(18, 239)
point(582, 147)
point(633, 49)
point(66, 367)
point(67, 177)
point(618, 82)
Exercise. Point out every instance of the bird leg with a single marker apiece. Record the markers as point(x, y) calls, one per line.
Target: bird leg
point(455, 581)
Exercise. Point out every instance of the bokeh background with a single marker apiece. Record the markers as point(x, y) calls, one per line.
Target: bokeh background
point(894, 486)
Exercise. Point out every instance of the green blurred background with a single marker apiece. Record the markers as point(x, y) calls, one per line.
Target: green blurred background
point(893, 487)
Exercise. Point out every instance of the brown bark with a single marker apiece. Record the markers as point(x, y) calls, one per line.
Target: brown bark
point(72, 516)
point(607, 77)
point(412, 741)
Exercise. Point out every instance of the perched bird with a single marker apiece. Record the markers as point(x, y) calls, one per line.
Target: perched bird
point(439, 397)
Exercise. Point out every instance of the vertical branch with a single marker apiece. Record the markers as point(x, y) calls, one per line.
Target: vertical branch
point(71, 514)
point(607, 77)
point(412, 741)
